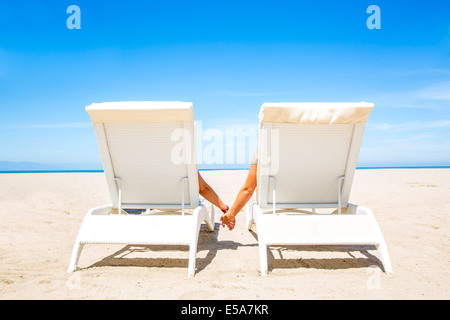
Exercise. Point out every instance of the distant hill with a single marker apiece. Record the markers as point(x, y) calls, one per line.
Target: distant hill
point(17, 166)
point(33, 166)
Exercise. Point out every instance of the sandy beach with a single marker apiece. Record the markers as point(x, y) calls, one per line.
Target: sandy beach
point(40, 214)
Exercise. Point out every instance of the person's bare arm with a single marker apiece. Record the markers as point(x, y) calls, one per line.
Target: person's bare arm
point(244, 195)
point(209, 194)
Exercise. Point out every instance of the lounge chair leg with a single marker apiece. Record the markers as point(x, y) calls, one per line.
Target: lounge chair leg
point(384, 255)
point(76, 251)
point(249, 216)
point(192, 256)
point(263, 258)
point(210, 220)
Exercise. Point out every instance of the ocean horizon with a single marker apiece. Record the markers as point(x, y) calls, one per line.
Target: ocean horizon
point(219, 169)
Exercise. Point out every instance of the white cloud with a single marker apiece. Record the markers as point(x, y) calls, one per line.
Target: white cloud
point(252, 94)
point(52, 126)
point(406, 126)
point(434, 96)
point(438, 91)
point(407, 139)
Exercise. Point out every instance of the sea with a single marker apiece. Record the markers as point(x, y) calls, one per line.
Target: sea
point(216, 169)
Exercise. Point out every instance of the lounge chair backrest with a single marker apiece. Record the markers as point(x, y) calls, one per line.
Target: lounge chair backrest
point(147, 151)
point(305, 149)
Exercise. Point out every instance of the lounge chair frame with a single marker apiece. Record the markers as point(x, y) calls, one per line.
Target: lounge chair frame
point(133, 183)
point(349, 224)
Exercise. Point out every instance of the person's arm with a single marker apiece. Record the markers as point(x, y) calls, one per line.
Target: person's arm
point(209, 194)
point(242, 198)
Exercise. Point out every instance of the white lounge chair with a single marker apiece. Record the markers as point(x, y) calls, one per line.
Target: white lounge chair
point(148, 156)
point(307, 158)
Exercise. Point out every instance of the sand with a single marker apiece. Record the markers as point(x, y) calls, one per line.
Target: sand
point(40, 214)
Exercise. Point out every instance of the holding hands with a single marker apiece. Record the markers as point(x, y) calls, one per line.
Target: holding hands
point(227, 219)
point(244, 195)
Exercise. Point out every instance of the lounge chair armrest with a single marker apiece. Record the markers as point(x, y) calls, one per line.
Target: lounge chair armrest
point(104, 210)
point(358, 210)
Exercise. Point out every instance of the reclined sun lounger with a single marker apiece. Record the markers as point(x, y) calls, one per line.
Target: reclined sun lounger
point(306, 159)
point(148, 156)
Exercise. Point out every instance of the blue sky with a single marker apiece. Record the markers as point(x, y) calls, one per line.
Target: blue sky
point(227, 57)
